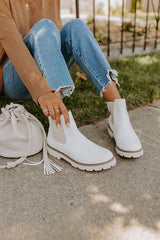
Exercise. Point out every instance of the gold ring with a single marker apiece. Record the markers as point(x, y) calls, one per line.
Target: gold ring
point(56, 110)
point(45, 110)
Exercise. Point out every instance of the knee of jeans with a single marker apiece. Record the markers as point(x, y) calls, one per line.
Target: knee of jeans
point(76, 25)
point(43, 27)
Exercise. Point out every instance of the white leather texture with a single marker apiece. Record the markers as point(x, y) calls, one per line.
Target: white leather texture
point(16, 124)
point(75, 145)
point(22, 135)
point(120, 127)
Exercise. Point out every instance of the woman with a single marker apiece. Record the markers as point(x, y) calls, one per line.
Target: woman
point(35, 60)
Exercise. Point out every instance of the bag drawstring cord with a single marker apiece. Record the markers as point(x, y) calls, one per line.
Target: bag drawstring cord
point(49, 166)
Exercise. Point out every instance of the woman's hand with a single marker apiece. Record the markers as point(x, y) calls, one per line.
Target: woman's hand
point(52, 105)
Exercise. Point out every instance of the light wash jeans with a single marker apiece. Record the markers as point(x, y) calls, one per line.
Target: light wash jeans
point(55, 52)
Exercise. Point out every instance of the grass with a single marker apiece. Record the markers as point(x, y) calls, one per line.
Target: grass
point(139, 79)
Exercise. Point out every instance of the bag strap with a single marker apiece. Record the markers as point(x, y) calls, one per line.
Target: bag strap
point(49, 166)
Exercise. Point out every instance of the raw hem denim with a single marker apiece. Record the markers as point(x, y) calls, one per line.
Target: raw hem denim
point(55, 52)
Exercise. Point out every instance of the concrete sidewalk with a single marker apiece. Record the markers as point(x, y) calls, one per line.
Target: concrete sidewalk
point(118, 204)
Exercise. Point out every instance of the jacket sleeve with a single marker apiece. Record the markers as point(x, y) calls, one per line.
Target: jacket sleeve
point(20, 56)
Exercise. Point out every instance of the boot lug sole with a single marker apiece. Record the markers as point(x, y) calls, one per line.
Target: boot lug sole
point(100, 167)
point(125, 154)
point(129, 154)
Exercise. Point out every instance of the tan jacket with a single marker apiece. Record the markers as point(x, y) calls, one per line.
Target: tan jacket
point(16, 19)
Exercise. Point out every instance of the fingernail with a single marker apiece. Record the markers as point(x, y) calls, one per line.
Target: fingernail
point(68, 124)
point(58, 125)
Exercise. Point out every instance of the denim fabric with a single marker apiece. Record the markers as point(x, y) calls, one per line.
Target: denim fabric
point(55, 53)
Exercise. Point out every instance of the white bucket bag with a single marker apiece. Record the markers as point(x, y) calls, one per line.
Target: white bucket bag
point(22, 135)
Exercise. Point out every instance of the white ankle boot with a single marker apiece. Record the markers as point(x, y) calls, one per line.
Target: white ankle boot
point(119, 127)
point(69, 144)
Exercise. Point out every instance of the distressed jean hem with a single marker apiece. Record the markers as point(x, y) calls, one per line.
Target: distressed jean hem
point(66, 90)
point(112, 75)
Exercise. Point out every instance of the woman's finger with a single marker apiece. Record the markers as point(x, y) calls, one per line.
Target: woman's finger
point(57, 114)
point(65, 113)
point(51, 112)
point(44, 109)
point(46, 112)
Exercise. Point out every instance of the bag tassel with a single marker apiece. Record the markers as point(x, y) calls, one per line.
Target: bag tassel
point(49, 166)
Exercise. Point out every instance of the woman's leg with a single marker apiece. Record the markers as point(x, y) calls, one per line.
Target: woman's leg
point(68, 143)
point(44, 43)
point(79, 44)
point(78, 41)
point(12, 84)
